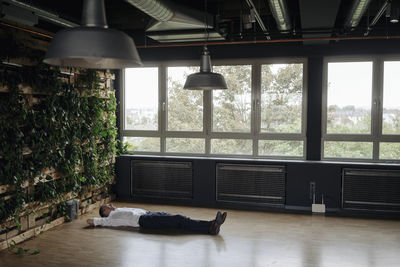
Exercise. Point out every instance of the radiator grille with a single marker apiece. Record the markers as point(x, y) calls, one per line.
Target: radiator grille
point(251, 183)
point(162, 179)
point(371, 189)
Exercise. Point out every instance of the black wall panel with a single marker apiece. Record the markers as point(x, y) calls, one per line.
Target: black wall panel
point(341, 48)
point(123, 177)
point(204, 181)
point(326, 175)
point(327, 180)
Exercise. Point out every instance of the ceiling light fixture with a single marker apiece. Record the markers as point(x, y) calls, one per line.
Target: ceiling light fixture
point(93, 45)
point(280, 12)
point(394, 13)
point(206, 79)
point(357, 10)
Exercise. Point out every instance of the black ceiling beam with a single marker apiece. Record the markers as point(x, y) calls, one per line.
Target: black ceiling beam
point(317, 14)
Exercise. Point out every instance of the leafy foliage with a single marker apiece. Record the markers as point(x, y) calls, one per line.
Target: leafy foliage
point(72, 129)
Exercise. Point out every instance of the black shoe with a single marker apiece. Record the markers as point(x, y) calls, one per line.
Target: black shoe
point(216, 224)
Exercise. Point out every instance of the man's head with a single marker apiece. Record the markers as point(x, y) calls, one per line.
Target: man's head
point(105, 210)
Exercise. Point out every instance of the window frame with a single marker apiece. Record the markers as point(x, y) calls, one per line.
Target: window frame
point(302, 136)
point(207, 134)
point(376, 136)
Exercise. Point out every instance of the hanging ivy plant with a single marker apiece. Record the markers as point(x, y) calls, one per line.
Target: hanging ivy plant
point(71, 129)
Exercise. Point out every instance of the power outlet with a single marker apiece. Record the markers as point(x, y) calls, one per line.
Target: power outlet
point(312, 191)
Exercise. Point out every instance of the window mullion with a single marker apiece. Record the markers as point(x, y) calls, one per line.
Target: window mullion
point(207, 119)
point(122, 102)
point(377, 96)
point(162, 118)
point(256, 105)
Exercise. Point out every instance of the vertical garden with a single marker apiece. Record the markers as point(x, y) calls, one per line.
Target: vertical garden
point(57, 135)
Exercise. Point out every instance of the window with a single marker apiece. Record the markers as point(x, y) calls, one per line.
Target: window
point(346, 149)
point(231, 146)
point(185, 107)
point(349, 97)
point(232, 107)
point(185, 145)
point(391, 98)
point(362, 111)
point(280, 148)
point(142, 144)
point(260, 115)
point(389, 151)
point(390, 112)
point(281, 98)
point(282, 110)
point(141, 99)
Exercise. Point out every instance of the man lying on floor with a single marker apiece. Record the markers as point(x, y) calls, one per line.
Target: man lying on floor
point(112, 216)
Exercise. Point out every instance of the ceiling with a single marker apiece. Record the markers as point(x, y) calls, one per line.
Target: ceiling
point(308, 19)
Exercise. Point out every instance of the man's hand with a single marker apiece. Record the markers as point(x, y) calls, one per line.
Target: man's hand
point(90, 222)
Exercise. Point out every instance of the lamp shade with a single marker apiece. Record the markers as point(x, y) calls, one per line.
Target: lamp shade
point(205, 79)
point(93, 45)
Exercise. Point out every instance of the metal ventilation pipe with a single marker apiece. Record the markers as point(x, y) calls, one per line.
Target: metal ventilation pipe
point(172, 22)
point(280, 12)
point(51, 17)
point(154, 8)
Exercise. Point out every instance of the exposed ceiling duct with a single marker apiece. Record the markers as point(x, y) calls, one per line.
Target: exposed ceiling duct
point(43, 14)
point(173, 23)
point(356, 12)
point(17, 14)
point(154, 9)
point(281, 14)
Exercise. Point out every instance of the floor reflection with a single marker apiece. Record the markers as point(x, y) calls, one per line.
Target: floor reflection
point(246, 239)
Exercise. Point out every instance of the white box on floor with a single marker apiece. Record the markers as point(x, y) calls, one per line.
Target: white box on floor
point(318, 208)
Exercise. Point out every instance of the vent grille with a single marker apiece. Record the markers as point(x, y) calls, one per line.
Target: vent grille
point(251, 184)
point(162, 179)
point(371, 189)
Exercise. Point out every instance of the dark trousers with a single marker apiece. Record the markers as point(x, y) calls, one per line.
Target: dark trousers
point(163, 220)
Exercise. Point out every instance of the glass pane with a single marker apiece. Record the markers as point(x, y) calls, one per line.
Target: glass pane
point(186, 145)
point(339, 149)
point(232, 107)
point(231, 146)
point(280, 148)
point(389, 150)
point(151, 144)
point(391, 98)
point(185, 107)
point(281, 98)
point(349, 97)
point(141, 99)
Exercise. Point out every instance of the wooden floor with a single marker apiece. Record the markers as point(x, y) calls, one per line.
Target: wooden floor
point(246, 239)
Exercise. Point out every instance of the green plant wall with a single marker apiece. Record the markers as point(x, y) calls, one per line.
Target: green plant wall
point(70, 127)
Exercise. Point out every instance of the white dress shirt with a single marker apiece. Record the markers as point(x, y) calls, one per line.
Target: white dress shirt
point(121, 217)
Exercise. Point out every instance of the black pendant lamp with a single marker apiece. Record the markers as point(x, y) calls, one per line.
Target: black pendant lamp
point(206, 79)
point(93, 45)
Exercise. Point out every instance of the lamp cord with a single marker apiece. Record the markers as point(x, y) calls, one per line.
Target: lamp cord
point(205, 23)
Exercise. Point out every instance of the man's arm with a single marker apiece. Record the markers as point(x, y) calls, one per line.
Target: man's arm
point(100, 222)
point(107, 222)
